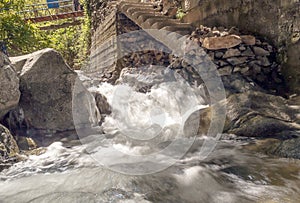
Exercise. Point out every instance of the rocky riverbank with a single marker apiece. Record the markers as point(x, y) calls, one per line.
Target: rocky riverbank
point(258, 102)
point(36, 104)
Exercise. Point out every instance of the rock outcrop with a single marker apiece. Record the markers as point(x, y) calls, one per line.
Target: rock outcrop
point(9, 82)
point(256, 114)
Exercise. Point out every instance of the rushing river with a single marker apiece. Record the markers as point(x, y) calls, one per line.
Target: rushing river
point(88, 172)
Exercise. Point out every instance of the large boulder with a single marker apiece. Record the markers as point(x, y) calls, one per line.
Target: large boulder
point(9, 82)
point(47, 85)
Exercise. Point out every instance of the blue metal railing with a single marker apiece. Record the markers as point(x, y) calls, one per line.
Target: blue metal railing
point(49, 8)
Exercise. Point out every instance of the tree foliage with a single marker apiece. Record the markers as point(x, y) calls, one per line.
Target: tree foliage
point(20, 37)
point(24, 37)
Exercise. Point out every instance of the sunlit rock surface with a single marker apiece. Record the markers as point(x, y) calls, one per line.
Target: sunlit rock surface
point(9, 82)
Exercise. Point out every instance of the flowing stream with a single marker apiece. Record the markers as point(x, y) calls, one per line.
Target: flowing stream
point(102, 169)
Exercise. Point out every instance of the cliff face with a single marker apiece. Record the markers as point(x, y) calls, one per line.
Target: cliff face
point(276, 20)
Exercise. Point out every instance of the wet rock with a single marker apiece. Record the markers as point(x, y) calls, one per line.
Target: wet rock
point(9, 82)
point(256, 69)
point(102, 105)
point(8, 145)
point(259, 115)
point(288, 148)
point(142, 79)
point(26, 143)
point(226, 42)
point(256, 114)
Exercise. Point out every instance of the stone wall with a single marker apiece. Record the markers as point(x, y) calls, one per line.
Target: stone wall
point(119, 43)
point(276, 20)
point(104, 48)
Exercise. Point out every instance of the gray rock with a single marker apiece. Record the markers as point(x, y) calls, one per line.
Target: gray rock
point(237, 61)
point(8, 145)
point(221, 63)
point(260, 115)
point(248, 52)
point(219, 54)
point(237, 83)
point(242, 48)
point(260, 51)
point(263, 61)
point(289, 148)
point(256, 114)
point(48, 86)
point(226, 70)
point(18, 62)
point(144, 78)
point(231, 53)
point(102, 105)
point(9, 82)
point(245, 70)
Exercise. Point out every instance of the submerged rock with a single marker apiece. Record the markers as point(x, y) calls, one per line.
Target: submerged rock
point(9, 82)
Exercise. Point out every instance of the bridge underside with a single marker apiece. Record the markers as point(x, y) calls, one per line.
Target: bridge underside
point(56, 17)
